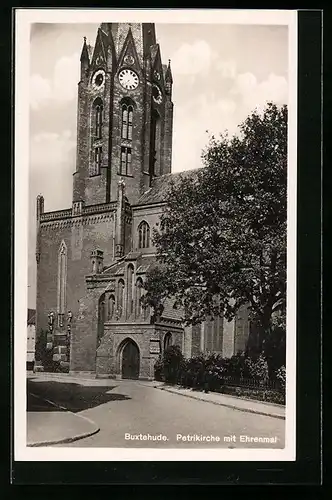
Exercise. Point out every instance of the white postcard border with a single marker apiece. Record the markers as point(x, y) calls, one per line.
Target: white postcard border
point(24, 18)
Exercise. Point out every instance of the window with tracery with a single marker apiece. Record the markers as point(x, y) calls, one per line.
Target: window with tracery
point(127, 122)
point(127, 116)
point(98, 120)
point(96, 131)
point(97, 159)
point(126, 161)
point(143, 235)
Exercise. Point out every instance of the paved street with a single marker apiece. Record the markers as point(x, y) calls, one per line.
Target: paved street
point(132, 408)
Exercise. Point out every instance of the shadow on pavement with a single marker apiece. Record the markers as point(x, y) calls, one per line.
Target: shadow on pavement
point(73, 397)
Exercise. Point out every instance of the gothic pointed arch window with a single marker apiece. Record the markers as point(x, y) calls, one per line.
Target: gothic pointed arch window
point(127, 118)
point(127, 109)
point(143, 235)
point(126, 167)
point(168, 340)
point(139, 293)
point(98, 118)
point(120, 298)
point(62, 282)
point(97, 159)
point(111, 307)
point(130, 290)
point(96, 131)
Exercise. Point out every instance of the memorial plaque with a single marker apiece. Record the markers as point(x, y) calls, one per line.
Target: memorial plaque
point(155, 347)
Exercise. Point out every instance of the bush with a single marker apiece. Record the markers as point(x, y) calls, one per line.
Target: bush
point(281, 377)
point(240, 375)
point(172, 363)
point(158, 369)
point(260, 395)
point(258, 369)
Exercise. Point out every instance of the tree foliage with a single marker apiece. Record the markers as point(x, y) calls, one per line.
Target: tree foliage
point(222, 237)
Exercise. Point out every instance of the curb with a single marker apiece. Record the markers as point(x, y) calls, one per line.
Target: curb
point(60, 376)
point(69, 377)
point(70, 439)
point(233, 407)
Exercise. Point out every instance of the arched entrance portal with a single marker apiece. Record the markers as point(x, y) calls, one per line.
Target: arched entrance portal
point(130, 360)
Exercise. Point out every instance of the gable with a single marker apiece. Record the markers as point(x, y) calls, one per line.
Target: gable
point(128, 56)
point(99, 53)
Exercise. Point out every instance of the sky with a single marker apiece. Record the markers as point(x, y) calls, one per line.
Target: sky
point(221, 72)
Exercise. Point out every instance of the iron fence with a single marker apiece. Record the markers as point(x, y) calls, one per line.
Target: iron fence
point(250, 383)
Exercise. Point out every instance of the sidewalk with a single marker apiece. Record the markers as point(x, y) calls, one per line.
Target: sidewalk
point(245, 405)
point(56, 425)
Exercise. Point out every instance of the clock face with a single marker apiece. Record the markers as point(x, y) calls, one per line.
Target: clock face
point(128, 79)
point(156, 94)
point(98, 79)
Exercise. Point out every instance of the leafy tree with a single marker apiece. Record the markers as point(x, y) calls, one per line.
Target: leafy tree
point(222, 237)
point(274, 349)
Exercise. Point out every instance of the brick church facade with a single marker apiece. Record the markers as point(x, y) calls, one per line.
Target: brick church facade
point(92, 258)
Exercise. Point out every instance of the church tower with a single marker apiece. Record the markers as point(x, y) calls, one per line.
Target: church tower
point(125, 114)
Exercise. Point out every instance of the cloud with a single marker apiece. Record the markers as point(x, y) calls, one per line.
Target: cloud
point(40, 91)
point(226, 106)
point(192, 59)
point(207, 113)
point(256, 94)
point(66, 77)
point(61, 88)
point(51, 148)
point(207, 116)
point(52, 163)
point(227, 69)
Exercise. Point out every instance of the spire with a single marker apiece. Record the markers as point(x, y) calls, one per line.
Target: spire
point(169, 80)
point(84, 53)
point(168, 76)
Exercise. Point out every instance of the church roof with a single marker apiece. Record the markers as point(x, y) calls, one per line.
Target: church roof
point(144, 262)
point(157, 193)
point(169, 312)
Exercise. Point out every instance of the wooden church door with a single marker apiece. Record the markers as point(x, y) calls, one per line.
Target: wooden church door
point(130, 361)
